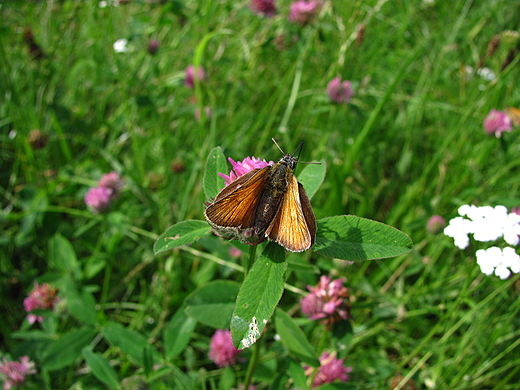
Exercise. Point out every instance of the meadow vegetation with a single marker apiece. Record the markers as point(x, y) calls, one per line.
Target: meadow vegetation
point(408, 145)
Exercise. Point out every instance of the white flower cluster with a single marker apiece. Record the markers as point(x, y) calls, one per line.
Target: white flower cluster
point(120, 46)
point(488, 224)
point(498, 261)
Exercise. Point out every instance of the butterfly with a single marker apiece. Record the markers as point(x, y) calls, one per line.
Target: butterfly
point(514, 115)
point(265, 203)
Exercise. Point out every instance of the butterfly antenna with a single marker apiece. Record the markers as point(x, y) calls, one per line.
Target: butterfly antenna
point(278, 146)
point(298, 149)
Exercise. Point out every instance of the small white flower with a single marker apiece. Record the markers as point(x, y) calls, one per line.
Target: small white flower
point(486, 73)
point(502, 272)
point(484, 263)
point(511, 259)
point(458, 229)
point(498, 261)
point(488, 224)
point(120, 45)
point(102, 4)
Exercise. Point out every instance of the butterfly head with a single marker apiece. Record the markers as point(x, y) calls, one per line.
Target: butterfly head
point(289, 160)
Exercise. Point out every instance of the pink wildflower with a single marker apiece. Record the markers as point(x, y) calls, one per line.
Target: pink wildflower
point(98, 199)
point(242, 167)
point(221, 349)
point(436, 224)
point(113, 182)
point(189, 81)
point(303, 11)
point(496, 122)
point(327, 301)
point(15, 372)
point(207, 112)
point(266, 7)
point(235, 253)
point(41, 297)
point(339, 92)
point(330, 369)
point(153, 46)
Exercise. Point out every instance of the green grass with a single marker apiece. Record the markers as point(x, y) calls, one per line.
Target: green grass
point(409, 145)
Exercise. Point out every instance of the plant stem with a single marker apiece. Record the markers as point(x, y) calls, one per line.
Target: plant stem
point(252, 362)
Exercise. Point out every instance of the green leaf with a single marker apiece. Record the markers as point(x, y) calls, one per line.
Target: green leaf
point(177, 333)
point(258, 296)
point(101, 368)
point(215, 163)
point(34, 203)
point(64, 351)
point(31, 335)
point(297, 374)
point(182, 233)
point(227, 379)
point(81, 303)
point(342, 335)
point(148, 360)
point(63, 257)
point(311, 177)
point(294, 339)
point(280, 381)
point(213, 303)
point(129, 341)
point(348, 237)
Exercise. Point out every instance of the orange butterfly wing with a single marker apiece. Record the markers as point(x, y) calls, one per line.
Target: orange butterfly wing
point(235, 205)
point(294, 225)
point(514, 115)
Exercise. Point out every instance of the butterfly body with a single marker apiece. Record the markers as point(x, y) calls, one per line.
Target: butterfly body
point(265, 203)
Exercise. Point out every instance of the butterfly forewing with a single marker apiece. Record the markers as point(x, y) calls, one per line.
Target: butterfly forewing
point(235, 205)
point(514, 115)
point(290, 227)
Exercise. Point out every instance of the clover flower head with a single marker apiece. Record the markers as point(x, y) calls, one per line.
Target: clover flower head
point(303, 11)
point(221, 349)
point(339, 92)
point(435, 224)
point(327, 301)
point(496, 122)
point(240, 168)
point(153, 46)
point(98, 199)
point(14, 373)
point(189, 81)
point(265, 7)
point(330, 370)
point(41, 297)
point(207, 112)
point(113, 182)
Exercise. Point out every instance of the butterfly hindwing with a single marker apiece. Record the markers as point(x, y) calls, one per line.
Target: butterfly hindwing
point(290, 226)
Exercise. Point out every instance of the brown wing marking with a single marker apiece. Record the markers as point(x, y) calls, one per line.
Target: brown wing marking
point(289, 227)
point(308, 213)
point(235, 205)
